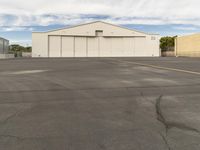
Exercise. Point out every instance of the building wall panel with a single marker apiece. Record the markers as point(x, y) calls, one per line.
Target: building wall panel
point(67, 46)
point(105, 45)
point(140, 47)
point(90, 29)
point(188, 46)
point(54, 46)
point(39, 45)
point(152, 46)
point(1, 46)
point(80, 47)
point(117, 46)
point(93, 46)
point(129, 46)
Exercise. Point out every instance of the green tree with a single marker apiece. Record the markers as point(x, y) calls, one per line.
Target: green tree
point(167, 43)
point(18, 49)
point(29, 49)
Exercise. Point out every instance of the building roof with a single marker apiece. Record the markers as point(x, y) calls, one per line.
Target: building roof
point(97, 22)
point(3, 39)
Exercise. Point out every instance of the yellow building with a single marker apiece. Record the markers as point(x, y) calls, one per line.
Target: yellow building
point(188, 45)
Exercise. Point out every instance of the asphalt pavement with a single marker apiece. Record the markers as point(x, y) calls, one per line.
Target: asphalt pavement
point(100, 104)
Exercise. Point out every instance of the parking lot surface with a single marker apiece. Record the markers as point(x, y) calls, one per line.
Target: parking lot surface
point(100, 104)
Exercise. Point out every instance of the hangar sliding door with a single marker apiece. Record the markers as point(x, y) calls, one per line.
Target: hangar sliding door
point(93, 46)
point(105, 47)
point(80, 47)
point(117, 47)
point(54, 46)
point(129, 46)
point(67, 46)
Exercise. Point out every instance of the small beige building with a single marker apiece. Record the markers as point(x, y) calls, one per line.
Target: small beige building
point(96, 39)
point(188, 45)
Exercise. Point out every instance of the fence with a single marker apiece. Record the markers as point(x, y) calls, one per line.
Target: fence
point(168, 54)
point(6, 56)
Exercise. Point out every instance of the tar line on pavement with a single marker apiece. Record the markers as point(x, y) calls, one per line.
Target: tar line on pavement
point(160, 67)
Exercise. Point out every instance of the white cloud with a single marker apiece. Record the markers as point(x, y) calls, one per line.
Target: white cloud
point(21, 42)
point(15, 28)
point(23, 12)
point(186, 28)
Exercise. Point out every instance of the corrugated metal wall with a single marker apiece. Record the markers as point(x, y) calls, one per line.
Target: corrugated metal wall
point(1, 46)
point(4, 46)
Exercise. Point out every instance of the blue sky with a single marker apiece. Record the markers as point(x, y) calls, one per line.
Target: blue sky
point(19, 18)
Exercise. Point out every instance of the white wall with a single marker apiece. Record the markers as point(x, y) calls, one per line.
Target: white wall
point(105, 47)
point(129, 46)
point(80, 47)
point(54, 46)
point(93, 47)
point(67, 46)
point(114, 42)
point(39, 45)
point(90, 30)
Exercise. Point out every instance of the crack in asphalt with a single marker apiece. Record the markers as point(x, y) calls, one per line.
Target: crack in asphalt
point(11, 136)
point(29, 138)
point(11, 116)
point(158, 111)
point(3, 122)
point(160, 116)
point(165, 141)
point(169, 124)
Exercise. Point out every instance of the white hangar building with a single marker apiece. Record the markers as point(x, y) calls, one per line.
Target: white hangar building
point(96, 39)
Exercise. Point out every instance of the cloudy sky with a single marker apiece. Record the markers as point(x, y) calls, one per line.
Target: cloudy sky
point(18, 18)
